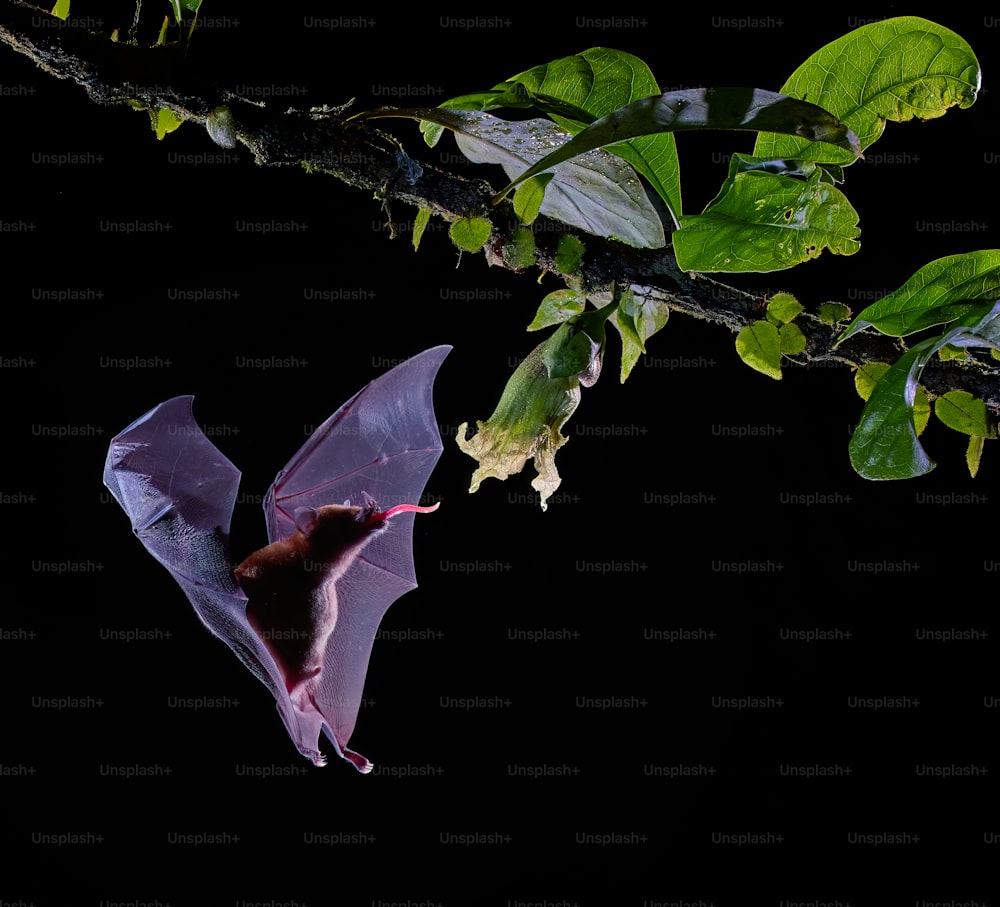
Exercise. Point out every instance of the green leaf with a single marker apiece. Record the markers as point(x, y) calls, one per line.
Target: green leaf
point(884, 444)
point(529, 196)
point(221, 127)
point(921, 411)
point(624, 319)
point(571, 353)
point(833, 312)
point(950, 352)
point(792, 339)
point(470, 233)
point(637, 319)
point(61, 9)
point(974, 454)
point(420, 223)
point(962, 412)
point(895, 69)
point(178, 5)
point(165, 121)
point(939, 292)
point(766, 222)
point(569, 255)
point(557, 307)
point(699, 108)
point(519, 251)
point(759, 346)
point(597, 82)
point(867, 376)
point(782, 308)
point(598, 193)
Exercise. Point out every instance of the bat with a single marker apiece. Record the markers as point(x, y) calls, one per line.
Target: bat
point(302, 612)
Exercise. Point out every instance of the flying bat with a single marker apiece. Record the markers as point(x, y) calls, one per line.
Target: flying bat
point(301, 613)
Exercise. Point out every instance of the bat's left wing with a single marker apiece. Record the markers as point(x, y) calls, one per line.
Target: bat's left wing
point(178, 490)
point(383, 443)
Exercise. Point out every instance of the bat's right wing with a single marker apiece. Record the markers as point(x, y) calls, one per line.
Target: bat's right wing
point(179, 490)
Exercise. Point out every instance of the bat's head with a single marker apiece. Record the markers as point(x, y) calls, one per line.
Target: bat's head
point(335, 528)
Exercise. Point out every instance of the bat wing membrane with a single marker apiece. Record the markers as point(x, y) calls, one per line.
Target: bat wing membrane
point(384, 442)
point(178, 491)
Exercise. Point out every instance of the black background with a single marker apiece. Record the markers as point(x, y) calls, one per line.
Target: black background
point(636, 800)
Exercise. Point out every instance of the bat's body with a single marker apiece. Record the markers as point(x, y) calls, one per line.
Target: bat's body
point(302, 612)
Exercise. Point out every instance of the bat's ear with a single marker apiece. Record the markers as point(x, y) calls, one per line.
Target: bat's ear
point(306, 520)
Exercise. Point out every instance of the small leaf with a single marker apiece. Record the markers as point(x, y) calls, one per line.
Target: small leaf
point(569, 255)
point(624, 319)
point(974, 454)
point(867, 376)
point(529, 196)
point(165, 121)
point(519, 251)
point(895, 69)
point(962, 412)
point(759, 346)
point(921, 410)
point(952, 352)
point(833, 312)
point(783, 307)
point(61, 9)
point(221, 127)
point(792, 339)
point(470, 233)
point(420, 223)
point(939, 292)
point(637, 319)
point(557, 307)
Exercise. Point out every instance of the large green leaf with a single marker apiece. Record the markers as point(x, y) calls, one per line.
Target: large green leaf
point(884, 444)
point(701, 108)
point(577, 90)
point(765, 222)
point(895, 70)
point(939, 292)
point(599, 81)
point(596, 192)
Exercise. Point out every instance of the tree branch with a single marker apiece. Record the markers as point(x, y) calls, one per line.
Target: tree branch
point(369, 159)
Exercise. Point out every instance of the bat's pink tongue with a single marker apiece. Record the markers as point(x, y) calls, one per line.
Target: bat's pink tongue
point(403, 508)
